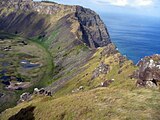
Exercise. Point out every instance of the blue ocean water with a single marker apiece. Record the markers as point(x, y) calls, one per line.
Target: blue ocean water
point(135, 36)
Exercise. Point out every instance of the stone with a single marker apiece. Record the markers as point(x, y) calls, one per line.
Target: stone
point(140, 83)
point(1, 95)
point(148, 74)
point(81, 88)
point(101, 69)
point(151, 84)
point(25, 97)
point(36, 91)
point(42, 91)
point(93, 29)
point(106, 83)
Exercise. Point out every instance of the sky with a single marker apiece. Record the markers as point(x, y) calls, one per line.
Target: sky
point(137, 7)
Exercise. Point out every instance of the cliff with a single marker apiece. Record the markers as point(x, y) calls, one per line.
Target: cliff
point(69, 34)
point(67, 50)
point(30, 19)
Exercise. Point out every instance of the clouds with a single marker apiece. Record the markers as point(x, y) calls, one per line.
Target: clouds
point(143, 2)
point(118, 2)
point(131, 3)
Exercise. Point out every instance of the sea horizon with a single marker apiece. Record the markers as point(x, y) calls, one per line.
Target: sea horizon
point(135, 36)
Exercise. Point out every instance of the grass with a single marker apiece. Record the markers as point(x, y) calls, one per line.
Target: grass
point(34, 52)
point(97, 104)
point(122, 100)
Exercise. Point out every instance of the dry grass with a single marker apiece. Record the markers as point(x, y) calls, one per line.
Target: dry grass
point(120, 101)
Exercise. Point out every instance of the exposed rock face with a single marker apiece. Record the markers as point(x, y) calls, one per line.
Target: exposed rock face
point(94, 30)
point(101, 69)
point(149, 71)
point(110, 49)
point(28, 18)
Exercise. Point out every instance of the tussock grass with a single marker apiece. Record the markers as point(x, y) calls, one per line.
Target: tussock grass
point(120, 101)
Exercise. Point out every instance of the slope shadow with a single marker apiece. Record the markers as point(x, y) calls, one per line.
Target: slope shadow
point(24, 114)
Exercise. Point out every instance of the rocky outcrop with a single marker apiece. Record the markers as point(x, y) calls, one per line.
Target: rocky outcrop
point(94, 31)
point(101, 69)
point(42, 91)
point(148, 73)
point(25, 97)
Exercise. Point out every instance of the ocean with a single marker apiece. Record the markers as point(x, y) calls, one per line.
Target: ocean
point(135, 36)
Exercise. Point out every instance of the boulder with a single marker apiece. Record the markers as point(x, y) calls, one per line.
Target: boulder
point(25, 97)
point(148, 73)
point(106, 83)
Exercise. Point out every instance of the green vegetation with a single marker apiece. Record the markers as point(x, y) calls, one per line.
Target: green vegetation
point(10, 62)
point(122, 100)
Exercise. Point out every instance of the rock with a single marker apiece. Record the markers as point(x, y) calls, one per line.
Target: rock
point(94, 31)
point(148, 73)
point(106, 83)
point(109, 50)
point(42, 91)
point(48, 93)
point(18, 85)
point(140, 83)
point(25, 97)
point(1, 95)
point(101, 69)
point(81, 88)
point(151, 84)
point(36, 91)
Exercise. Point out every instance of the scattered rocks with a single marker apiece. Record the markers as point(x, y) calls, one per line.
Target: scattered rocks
point(25, 97)
point(148, 74)
point(8, 48)
point(42, 91)
point(101, 69)
point(18, 85)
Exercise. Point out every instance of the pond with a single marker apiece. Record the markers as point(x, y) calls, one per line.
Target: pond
point(28, 65)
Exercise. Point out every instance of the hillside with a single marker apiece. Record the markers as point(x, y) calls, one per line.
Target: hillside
point(69, 52)
point(68, 36)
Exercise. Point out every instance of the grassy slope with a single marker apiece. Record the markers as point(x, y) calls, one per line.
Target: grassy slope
point(43, 74)
point(120, 101)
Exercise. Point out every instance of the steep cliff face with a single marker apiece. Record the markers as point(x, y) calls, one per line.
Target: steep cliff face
point(69, 34)
point(79, 66)
point(94, 30)
point(30, 19)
